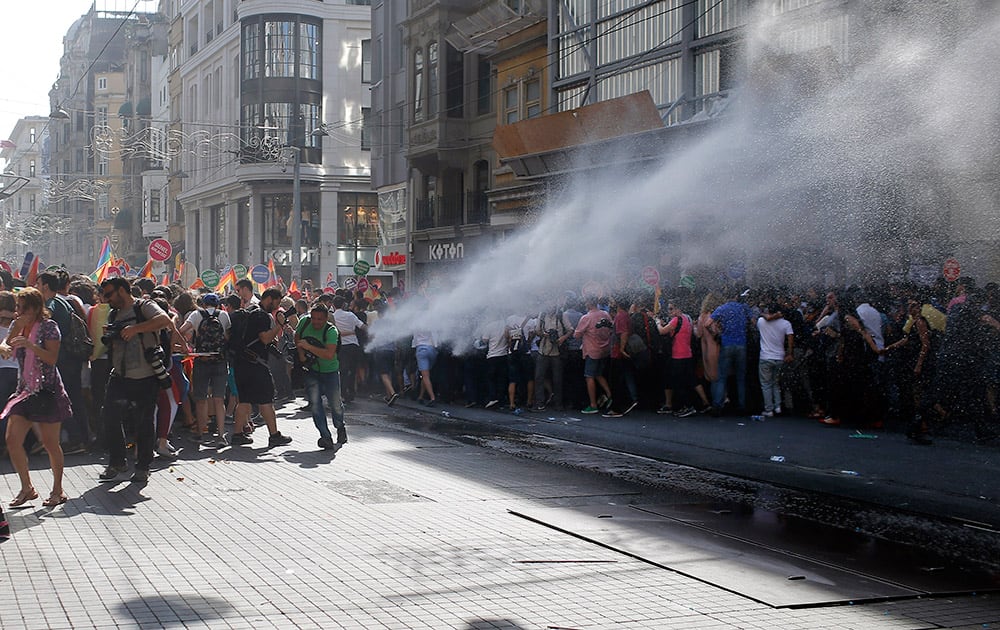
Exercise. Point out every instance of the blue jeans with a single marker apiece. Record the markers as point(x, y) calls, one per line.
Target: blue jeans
point(318, 385)
point(770, 384)
point(731, 358)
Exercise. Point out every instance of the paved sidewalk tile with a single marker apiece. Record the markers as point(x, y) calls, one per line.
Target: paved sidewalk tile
point(395, 530)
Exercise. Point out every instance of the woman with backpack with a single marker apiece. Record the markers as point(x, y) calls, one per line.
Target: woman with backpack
point(679, 392)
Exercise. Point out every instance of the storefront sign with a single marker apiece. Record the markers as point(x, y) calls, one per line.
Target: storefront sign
point(284, 256)
point(446, 251)
point(392, 259)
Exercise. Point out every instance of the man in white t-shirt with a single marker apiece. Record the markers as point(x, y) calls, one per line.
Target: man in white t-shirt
point(350, 354)
point(776, 344)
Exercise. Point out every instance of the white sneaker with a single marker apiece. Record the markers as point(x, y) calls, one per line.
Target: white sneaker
point(167, 451)
point(767, 414)
point(777, 411)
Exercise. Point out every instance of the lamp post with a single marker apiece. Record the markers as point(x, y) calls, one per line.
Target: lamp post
point(297, 214)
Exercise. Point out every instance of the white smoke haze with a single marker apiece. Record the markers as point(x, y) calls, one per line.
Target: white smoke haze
point(817, 164)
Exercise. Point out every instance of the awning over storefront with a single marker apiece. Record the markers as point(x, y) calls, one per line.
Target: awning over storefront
point(143, 109)
point(565, 141)
point(604, 135)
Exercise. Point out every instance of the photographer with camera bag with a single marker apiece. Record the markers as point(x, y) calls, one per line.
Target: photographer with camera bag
point(137, 371)
point(317, 341)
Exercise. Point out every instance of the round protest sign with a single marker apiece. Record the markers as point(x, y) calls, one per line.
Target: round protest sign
point(361, 268)
point(160, 249)
point(260, 274)
point(240, 271)
point(211, 278)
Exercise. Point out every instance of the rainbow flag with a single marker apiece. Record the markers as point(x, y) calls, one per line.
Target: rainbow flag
point(32, 275)
point(104, 260)
point(197, 284)
point(166, 279)
point(293, 287)
point(229, 278)
point(273, 278)
point(147, 270)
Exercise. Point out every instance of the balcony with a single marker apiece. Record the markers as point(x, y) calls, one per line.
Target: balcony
point(438, 212)
point(477, 207)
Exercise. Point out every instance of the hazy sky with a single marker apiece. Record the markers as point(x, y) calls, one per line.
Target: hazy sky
point(32, 32)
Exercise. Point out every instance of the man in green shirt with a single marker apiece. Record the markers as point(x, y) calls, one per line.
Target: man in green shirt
point(316, 343)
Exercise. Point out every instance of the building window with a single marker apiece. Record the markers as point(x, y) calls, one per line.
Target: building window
point(366, 128)
point(511, 105)
point(433, 84)
point(418, 85)
point(102, 83)
point(533, 99)
point(102, 116)
point(251, 51)
point(366, 61)
point(102, 167)
point(102, 206)
point(484, 87)
point(31, 202)
point(279, 49)
point(279, 121)
point(218, 233)
point(31, 168)
point(31, 136)
point(154, 206)
point(357, 215)
point(278, 220)
point(309, 51)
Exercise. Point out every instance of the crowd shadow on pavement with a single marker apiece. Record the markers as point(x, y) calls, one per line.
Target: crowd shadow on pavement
point(168, 611)
point(484, 624)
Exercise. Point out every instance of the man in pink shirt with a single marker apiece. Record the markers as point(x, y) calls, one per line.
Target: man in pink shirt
point(595, 330)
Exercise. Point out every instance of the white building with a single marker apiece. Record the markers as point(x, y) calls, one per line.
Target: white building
point(26, 222)
point(258, 77)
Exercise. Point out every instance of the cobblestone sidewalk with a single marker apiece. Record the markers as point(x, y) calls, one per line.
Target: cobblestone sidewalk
point(396, 530)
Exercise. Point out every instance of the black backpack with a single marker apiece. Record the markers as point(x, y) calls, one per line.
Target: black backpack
point(210, 336)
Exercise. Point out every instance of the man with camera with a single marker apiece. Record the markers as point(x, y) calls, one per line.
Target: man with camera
point(137, 358)
point(316, 343)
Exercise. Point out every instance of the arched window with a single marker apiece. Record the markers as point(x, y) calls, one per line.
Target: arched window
point(418, 85)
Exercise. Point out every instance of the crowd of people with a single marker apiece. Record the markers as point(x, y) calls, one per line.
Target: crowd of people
point(126, 366)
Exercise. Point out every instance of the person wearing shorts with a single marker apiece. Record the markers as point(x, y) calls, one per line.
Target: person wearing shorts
point(253, 376)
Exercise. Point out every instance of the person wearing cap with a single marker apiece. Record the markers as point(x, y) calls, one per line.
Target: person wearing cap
point(210, 373)
point(316, 343)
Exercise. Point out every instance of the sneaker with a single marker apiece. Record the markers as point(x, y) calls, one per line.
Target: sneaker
point(831, 421)
point(517, 411)
point(221, 441)
point(611, 414)
point(140, 476)
point(492, 403)
point(686, 412)
point(325, 443)
point(608, 402)
point(391, 400)
point(603, 400)
point(167, 451)
point(341, 435)
point(240, 439)
point(538, 408)
point(704, 410)
point(631, 407)
point(111, 472)
point(431, 403)
point(665, 410)
point(588, 409)
point(777, 411)
point(277, 439)
point(767, 414)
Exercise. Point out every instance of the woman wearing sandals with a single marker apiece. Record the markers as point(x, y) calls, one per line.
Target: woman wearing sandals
point(40, 397)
